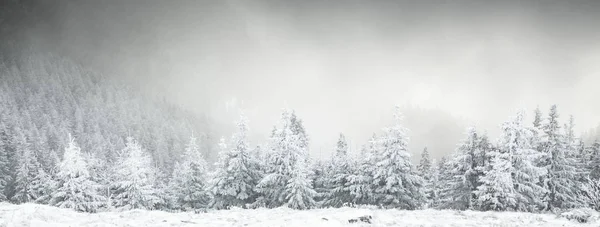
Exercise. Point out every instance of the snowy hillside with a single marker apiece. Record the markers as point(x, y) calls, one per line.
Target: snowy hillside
point(42, 215)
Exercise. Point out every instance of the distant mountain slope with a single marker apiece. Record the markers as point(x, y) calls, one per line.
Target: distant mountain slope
point(45, 97)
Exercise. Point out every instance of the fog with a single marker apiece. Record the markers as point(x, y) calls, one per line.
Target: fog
point(343, 65)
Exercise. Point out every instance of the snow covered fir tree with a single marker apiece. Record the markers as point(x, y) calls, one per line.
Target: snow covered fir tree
point(394, 178)
point(425, 170)
point(189, 182)
point(237, 171)
point(512, 181)
point(134, 185)
point(286, 178)
point(74, 188)
point(337, 175)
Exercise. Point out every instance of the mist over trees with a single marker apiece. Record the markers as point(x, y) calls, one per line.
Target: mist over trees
point(71, 140)
point(73, 133)
point(74, 138)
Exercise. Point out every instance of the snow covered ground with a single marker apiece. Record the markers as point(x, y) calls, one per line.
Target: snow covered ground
point(47, 216)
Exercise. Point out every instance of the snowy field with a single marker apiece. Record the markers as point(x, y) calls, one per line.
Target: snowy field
point(47, 216)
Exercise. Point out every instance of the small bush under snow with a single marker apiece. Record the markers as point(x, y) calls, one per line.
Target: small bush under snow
point(581, 215)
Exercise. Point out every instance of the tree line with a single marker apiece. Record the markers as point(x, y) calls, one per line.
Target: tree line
point(70, 139)
point(535, 167)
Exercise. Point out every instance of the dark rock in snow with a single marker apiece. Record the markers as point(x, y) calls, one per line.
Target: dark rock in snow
point(366, 219)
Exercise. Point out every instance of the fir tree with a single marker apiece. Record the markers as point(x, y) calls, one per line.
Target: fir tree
point(4, 167)
point(594, 160)
point(424, 169)
point(320, 169)
point(166, 201)
point(396, 184)
point(360, 181)
point(278, 165)
point(288, 148)
point(14, 144)
point(297, 129)
point(583, 159)
point(486, 148)
point(176, 187)
point(190, 177)
point(496, 191)
point(237, 172)
point(134, 186)
point(432, 186)
point(31, 182)
point(537, 118)
point(43, 187)
point(299, 192)
point(337, 178)
point(591, 191)
point(75, 190)
point(516, 159)
point(443, 178)
point(573, 153)
point(464, 172)
point(560, 182)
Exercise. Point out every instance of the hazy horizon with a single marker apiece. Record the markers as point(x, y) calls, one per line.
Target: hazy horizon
point(342, 66)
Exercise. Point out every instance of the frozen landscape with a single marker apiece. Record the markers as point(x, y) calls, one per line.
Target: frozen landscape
point(296, 113)
point(33, 215)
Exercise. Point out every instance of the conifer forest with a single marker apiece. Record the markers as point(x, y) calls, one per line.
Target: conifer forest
point(75, 136)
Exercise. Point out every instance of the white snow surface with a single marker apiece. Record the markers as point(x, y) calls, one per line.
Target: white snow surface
point(48, 216)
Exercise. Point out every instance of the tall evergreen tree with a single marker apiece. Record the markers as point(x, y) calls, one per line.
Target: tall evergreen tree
point(31, 183)
point(337, 178)
point(463, 169)
point(574, 149)
point(26, 171)
point(425, 170)
point(560, 182)
point(443, 177)
point(486, 148)
point(286, 166)
point(189, 180)
point(424, 167)
point(512, 181)
point(360, 181)
point(396, 183)
point(594, 160)
point(134, 185)
point(537, 118)
point(278, 166)
point(4, 174)
point(299, 192)
point(496, 191)
point(297, 129)
point(75, 190)
point(318, 178)
point(13, 145)
point(432, 186)
point(237, 172)
point(591, 183)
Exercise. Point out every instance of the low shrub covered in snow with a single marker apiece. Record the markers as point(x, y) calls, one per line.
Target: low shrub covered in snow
point(581, 215)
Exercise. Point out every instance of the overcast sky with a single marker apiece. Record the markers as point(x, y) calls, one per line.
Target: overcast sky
point(343, 65)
